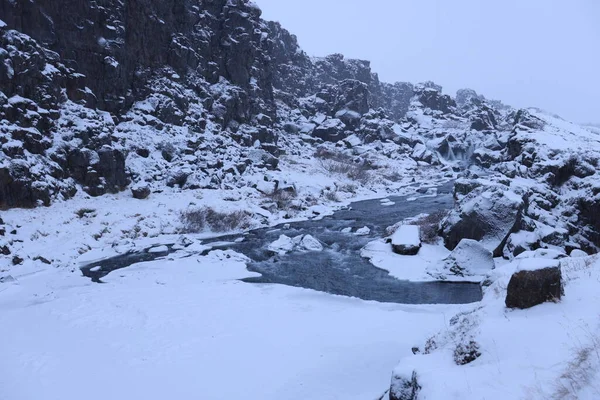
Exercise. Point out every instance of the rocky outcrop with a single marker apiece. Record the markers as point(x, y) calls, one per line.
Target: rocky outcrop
point(488, 214)
point(534, 284)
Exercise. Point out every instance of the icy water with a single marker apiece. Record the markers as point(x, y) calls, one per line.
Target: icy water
point(339, 269)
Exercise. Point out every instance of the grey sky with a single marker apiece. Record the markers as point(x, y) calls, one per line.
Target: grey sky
point(543, 53)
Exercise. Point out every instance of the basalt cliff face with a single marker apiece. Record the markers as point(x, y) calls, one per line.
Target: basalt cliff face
point(96, 96)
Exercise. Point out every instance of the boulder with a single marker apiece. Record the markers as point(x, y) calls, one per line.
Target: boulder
point(331, 130)
point(488, 214)
point(310, 243)
point(140, 190)
point(283, 245)
point(536, 281)
point(406, 240)
point(469, 258)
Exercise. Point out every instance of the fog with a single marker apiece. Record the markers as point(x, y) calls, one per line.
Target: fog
point(541, 53)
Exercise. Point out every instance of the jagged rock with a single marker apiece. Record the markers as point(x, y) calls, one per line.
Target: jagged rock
point(422, 153)
point(536, 282)
point(430, 95)
point(488, 214)
point(331, 130)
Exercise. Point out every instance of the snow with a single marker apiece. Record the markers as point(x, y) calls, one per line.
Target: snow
point(410, 268)
point(188, 328)
point(578, 253)
point(407, 235)
point(158, 249)
point(526, 354)
point(534, 264)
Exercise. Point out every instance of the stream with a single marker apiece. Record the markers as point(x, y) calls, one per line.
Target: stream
point(338, 269)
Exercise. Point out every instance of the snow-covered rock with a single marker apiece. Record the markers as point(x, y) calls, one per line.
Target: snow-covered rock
point(310, 243)
point(283, 245)
point(364, 231)
point(406, 240)
point(469, 259)
point(577, 253)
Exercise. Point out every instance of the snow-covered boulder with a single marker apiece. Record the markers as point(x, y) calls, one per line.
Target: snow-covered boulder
point(310, 243)
point(487, 214)
point(406, 240)
point(536, 281)
point(469, 258)
point(283, 245)
point(576, 253)
point(364, 231)
point(140, 190)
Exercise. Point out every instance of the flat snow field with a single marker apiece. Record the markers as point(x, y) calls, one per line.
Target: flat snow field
point(189, 329)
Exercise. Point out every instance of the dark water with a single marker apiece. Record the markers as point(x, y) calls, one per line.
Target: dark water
point(339, 269)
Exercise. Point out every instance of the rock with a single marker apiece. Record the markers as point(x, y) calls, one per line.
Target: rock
point(43, 260)
point(140, 190)
point(422, 153)
point(488, 214)
point(578, 253)
point(4, 250)
point(283, 245)
point(331, 130)
point(469, 258)
point(364, 231)
point(16, 260)
point(405, 385)
point(309, 243)
point(406, 240)
point(536, 281)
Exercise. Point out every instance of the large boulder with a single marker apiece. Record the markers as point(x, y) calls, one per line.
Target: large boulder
point(488, 214)
point(331, 130)
point(406, 240)
point(469, 259)
point(536, 281)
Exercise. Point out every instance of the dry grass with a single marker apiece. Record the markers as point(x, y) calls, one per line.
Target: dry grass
point(342, 164)
point(282, 198)
point(581, 372)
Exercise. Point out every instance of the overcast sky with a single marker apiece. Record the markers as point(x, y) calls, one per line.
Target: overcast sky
point(543, 53)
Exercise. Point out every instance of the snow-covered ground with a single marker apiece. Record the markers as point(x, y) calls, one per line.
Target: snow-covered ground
point(551, 351)
point(188, 328)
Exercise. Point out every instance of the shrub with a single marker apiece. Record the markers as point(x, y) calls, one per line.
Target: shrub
point(336, 162)
point(206, 218)
point(283, 198)
point(465, 353)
